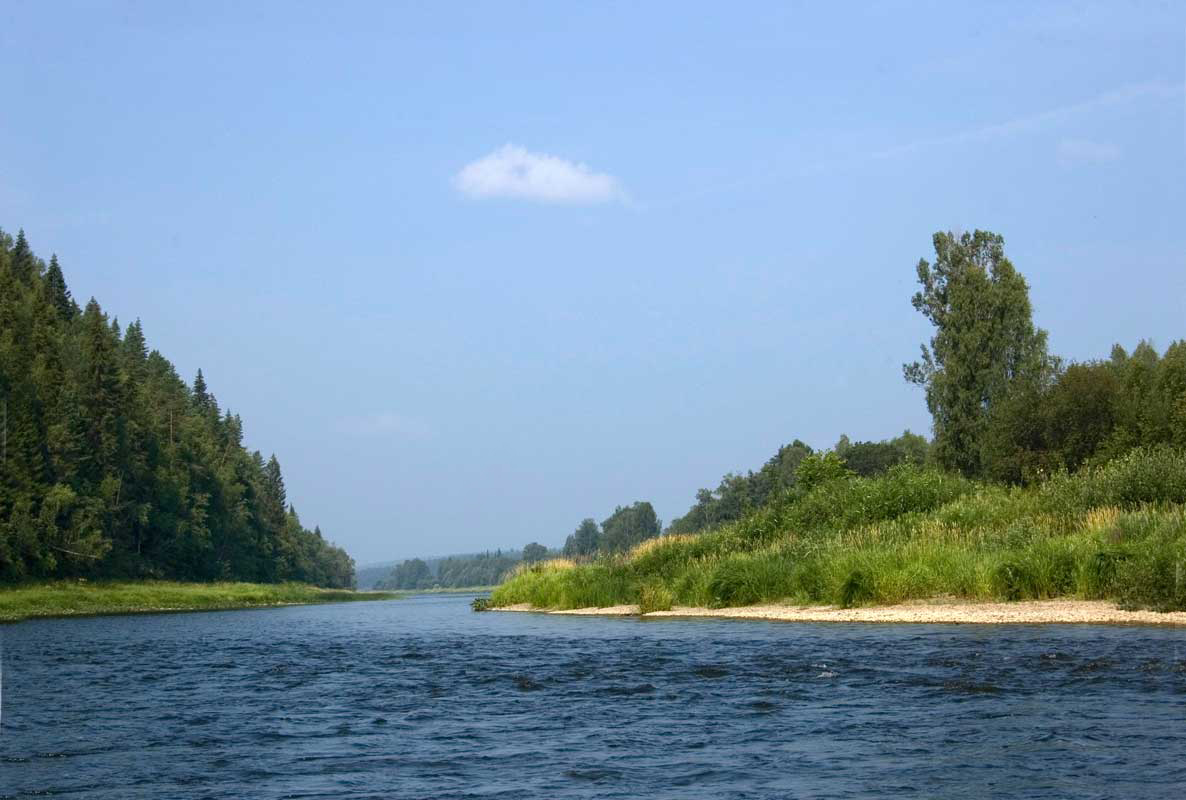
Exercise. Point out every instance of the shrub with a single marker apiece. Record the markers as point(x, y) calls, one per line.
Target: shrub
point(1144, 475)
point(904, 489)
point(857, 589)
point(750, 578)
point(820, 468)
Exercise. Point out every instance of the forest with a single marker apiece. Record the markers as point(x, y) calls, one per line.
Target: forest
point(112, 466)
point(1043, 479)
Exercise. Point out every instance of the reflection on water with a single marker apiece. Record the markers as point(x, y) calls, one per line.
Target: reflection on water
point(421, 698)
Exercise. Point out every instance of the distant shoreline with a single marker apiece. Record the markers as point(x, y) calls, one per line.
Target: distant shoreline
point(101, 598)
point(445, 590)
point(1029, 612)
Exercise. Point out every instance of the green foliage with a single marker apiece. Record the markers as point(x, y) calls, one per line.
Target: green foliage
point(1114, 532)
point(1149, 475)
point(534, 552)
point(453, 572)
point(875, 458)
point(845, 502)
point(857, 589)
point(985, 344)
point(1088, 460)
point(112, 467)
point(629, 526)
point(550, 585)
point(74, 598)
point(744, 579)
point(820, 468)
point(410, 574)
point(738, 495)
point(655, 597)
point(585, 541)
point(1090, 413)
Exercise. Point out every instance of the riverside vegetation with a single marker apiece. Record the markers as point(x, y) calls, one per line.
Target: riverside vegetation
point(74, 598)
point(1043, 480)
point(1116, 532)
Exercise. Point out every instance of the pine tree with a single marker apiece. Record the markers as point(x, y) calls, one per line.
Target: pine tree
point(100, 420)
point(56, 292)
point(24, 263)
point(274, 481)
point(203, 400)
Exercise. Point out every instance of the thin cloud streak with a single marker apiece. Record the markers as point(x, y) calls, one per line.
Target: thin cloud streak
point(1036, 121)
point(1000, 130)
point(1072, 152)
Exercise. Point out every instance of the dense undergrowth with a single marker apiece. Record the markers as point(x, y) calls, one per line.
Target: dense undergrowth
point(1116, 532)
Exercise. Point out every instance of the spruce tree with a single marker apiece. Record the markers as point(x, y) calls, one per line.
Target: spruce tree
point(24, 263)
point(203, 400)
point(57, 293)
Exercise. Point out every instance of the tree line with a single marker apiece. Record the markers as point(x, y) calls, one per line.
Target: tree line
point(1003, 408)
point(736, 495)
point(452, 572)
point(112, 466)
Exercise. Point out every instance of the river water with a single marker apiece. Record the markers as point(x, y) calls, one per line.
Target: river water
point(422, 698)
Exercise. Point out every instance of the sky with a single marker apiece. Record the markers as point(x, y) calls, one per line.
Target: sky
point(476, 271)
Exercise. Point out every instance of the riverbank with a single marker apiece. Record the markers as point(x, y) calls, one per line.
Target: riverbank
point(1044, 612)
point(81, 598)
point(1116, 533)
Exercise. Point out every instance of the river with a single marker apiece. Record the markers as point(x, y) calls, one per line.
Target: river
point(422, 698)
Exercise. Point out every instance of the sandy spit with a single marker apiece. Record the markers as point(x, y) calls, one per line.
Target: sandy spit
point(1094, 612)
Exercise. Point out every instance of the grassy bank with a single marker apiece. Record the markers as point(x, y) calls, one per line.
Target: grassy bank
point(70, 598)
point(1114, 533)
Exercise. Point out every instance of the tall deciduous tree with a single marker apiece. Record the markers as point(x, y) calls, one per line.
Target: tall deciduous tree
point(985, 343)
point(628, 526)
point(534, 552)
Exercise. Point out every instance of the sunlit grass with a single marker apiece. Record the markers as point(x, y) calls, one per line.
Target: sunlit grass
point(1116, 533)
point(70, 598)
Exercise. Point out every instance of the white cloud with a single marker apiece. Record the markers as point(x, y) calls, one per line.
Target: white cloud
point(515, 172)
point(384, 423)
point(1082, 151)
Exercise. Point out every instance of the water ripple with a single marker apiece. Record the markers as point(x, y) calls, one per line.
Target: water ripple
point(421, 698)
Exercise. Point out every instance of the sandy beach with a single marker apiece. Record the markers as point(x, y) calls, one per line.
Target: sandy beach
point(1092, 612)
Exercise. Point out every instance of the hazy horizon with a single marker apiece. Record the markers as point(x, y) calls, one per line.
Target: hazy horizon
point(476, 275)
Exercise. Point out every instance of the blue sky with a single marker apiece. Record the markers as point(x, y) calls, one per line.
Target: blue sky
point(477, 271)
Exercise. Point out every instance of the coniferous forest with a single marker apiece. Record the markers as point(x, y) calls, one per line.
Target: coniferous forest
point(112, 466)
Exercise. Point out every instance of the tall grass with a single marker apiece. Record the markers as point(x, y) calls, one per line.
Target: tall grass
point(1117, 532)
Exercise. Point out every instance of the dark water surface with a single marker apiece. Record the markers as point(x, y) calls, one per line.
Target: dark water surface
point(421, 698)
